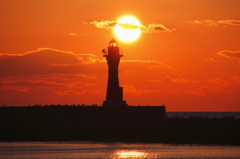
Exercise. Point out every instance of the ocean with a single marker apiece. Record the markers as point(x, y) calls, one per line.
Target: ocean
point(89, 150)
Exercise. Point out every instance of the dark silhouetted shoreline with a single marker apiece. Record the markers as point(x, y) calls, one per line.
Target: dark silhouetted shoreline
point(71, 124)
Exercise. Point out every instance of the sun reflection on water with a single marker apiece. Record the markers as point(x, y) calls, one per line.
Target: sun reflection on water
point(130, 154)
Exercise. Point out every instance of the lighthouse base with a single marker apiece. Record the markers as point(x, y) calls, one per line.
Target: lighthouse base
point(114, 104)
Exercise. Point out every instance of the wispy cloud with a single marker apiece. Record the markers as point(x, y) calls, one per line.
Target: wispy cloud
point(39, 52)
point(236, 79)
point(203, 30)
point(20, 88)
point(183, 80)
point(75, 92)
point(200, 91)
point(153, 81)
point(128, 26)
point(73, 34)
point(150, 28)
point(144, 61)
point(156, 28)
point(217, 22)
point(134, 90)
point(71, 76)
point(230, 54)
point(44, 83)
point(219, 82)
point(104, 24)
point(210, 59)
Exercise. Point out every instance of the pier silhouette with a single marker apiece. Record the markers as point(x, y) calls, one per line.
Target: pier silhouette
point(92, 123)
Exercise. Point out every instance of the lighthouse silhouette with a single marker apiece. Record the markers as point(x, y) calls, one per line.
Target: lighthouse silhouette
point(114, 96)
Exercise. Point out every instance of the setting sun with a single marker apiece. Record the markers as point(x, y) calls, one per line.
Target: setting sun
point(127, 29)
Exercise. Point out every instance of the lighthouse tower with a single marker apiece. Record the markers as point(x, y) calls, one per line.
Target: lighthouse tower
point(114, 96)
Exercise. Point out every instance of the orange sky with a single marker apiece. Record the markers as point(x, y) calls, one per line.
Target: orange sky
point(188, 55)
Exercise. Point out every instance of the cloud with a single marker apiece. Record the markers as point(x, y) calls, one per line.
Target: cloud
point(143, 61)
point(236, 79)
point(128, 26)
point(156, 28)
point(139, 66)
point(45, 61)
point(57, 64)
point(68, 92)
point(104, 24)
point(203, 30)
point(41, 56)
point(200, 91)
point(219, 82)
point(83, 59)
point(183, 80)
point(43, 83)
point(131, 89)
point(20, 88)
point(217, 23)
point(74, 34)
point(150, 28)
point(65, 76)
point(230, 54)
point(61, 72)
point(210, 59)
point(153, 81)
point(88, 91)
point(71, 76)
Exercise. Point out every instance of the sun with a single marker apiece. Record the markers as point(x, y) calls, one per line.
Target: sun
point(127, 29)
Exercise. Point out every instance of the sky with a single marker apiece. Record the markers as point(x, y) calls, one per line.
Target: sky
point(187, 57)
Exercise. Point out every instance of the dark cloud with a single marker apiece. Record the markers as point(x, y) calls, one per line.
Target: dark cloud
point(230, 54)
point(236, 22)
point(43, 61)
point(128, 26)
point(49, 63)
point(31, 83)
point(156, 28)
point(43, 83)
point(112, 24)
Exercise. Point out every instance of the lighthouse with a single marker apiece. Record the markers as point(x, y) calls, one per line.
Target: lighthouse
point(114, 96)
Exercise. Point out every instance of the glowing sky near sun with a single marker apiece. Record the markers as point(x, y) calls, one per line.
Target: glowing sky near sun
point(127, 29)
point(187, 56)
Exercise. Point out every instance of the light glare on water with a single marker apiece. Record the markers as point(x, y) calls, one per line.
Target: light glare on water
point(120, 154)
point(80, 150)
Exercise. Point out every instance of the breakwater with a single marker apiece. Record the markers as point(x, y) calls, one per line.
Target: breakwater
point(67, 124)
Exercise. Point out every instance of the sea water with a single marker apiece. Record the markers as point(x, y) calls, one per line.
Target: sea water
point(89, 150)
